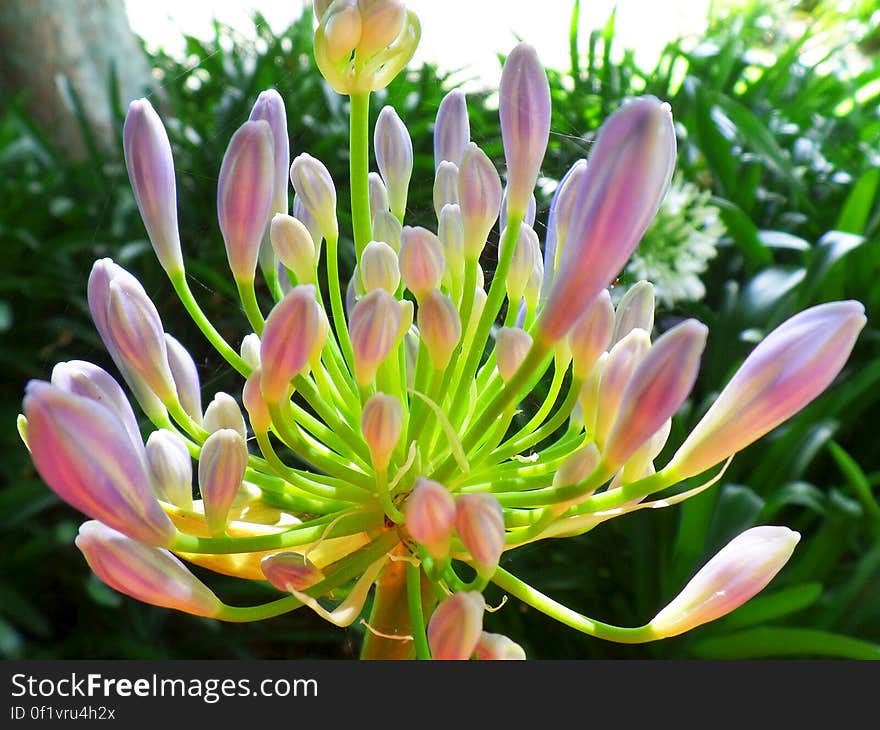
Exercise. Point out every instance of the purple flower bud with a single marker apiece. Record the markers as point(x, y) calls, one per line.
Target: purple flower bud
point(512, 344)
point(524, 108)
point(629, 172)
point(270, 108)
point(622, 361)
point(374, 327)
point(452, 130)
point(479, 522)
point(379, 268)
point(290, 572)
point(150, 168)
point(498, 647)
point(741, 569)
point(558, 218)
point(381, 426)
point(788, 369)
point(430, 516)
point(635, 310)
point(578, 466)
point(223, 412)
point(84, 453)
point(170, 468)
point(149, 574)
point(186, 378)
point(591, 334)
point(378, 194)
point(456, 625)
point(421, 261)
point(222, 464)
point(527, 249)
point(479, 191)
point(314, 186)
point(302, 214)
point(658, 387)
point(294, 246)
point(394, 156)
point(439, 327)
point(445, 186)
point(293, 335)
point(245, 193)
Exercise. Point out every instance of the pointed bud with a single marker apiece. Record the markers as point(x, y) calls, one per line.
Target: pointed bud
point(430, 516)
point(786, 371)
point(480, 298)
point(379, 268)
point(450, 232)
point(294, 247)
point(301, 213)
point(186, 378)
point(83, 452)
point(252, 398)
point(381, 426)
point(479, 191)
point(421, 261)
point(591, 334)
point(245, 191)
point(524, 108)
point(527, 250)
point(222, 464)
point(150, 168)
point(622, 361)
point(641, 463)
point(558, 219)
point(290, 572)
point(479, 522)
point(387, 228)
point(498, 647)
point(250, 350)
point(452, 129)
point(578, 466)
point(374, 327)
point(270, 108)
point(635, 310)
point(170, 468)
point(294, 333)
point(445, 186)
point(511, 347)
point(456, 625)
point(629, 172)
point(658, 387)
point(532, 292)
point(735, 574)
point(223, 412)
point(149, 574)
point(314, 186)
point(394, 156)
point(378, 194)
point(439, 327)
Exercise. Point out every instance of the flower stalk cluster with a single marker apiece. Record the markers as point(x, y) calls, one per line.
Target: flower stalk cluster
point(374, 440)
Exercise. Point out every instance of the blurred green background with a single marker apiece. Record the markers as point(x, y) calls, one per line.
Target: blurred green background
point(779, 140)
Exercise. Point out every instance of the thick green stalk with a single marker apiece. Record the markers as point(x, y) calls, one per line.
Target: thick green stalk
point(359, 161)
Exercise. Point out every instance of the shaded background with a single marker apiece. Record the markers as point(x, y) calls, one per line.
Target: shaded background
point(777, 118)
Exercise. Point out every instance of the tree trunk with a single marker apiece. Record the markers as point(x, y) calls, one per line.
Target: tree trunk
point(48, 47)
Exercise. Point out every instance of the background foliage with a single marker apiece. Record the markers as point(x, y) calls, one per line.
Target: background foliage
point(777, 115)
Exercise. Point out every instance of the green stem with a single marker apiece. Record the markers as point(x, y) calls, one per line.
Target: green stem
point(359, 160)
point(336, 308)
point(248, 297)
point(414, 601)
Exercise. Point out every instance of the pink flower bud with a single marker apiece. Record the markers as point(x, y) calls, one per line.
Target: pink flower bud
point(294, 332)
point(290, 572)
point(83, 452)
point(511, 347)
point(524, 108)
point(558, 219)
point(578, 466)
point(382, 21)
point(657, 388)
point(430, 516)
point(170, 468)
point(86, 380)
point(735, 574)
point(149, 574)
point(421, 261)
point(374, 327)
point(150, 168)
point(498, 647)
point(222, 464)
point(341, 27)
point(379, 268)
point(629, 172)
point(591, 334)
point(456, 625)
point(622, 361)
point(245, 193)
point(186, 378)
point(479, 522)
point(252, 398)
point(394, 156)
point(270, 108)
point(387, 228)
point(439, 327)
point(635, 310)
point(223, 412)
point(294, 246)
point(788, 369)
point(314, 186)
point(381, 426)
point(452, 130)
point(445, 186)
point(320, 7)
point(479, 191)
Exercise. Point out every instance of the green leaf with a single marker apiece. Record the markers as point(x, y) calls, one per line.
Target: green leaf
point(830, 249)
point(737, 509)
point(856, 479)
point(859, 203)
point(779, 642)
point(776, 605)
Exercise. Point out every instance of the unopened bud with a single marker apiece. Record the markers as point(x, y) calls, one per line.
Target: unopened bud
point(250, 350)
point(450, 232)
point(252, 398)
point(456, 625)
point(479, 522)
point(591, 334)
point(439, 327)
point(381, 426)
point(341, 25)
point(378, 194)
point(387, 228)
point(186, 378)
point(270, 108)
point(512, 345)
point(430, 516)
point(382, 22)
point(479, 192)
point(222, 464)
point(622, 361)
point(379, 268)
point(498, 647)
point(421, 261)
point(394, 156)
point(445, 186)
point(294, 246)
point(374, 327)
point(290, 572)
point(527, 250)
point(314, 186)
point(578, 466)
point(452, 129)
point(558, 219)
point(170, 468)
point(635, 310)
point(223, 412)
